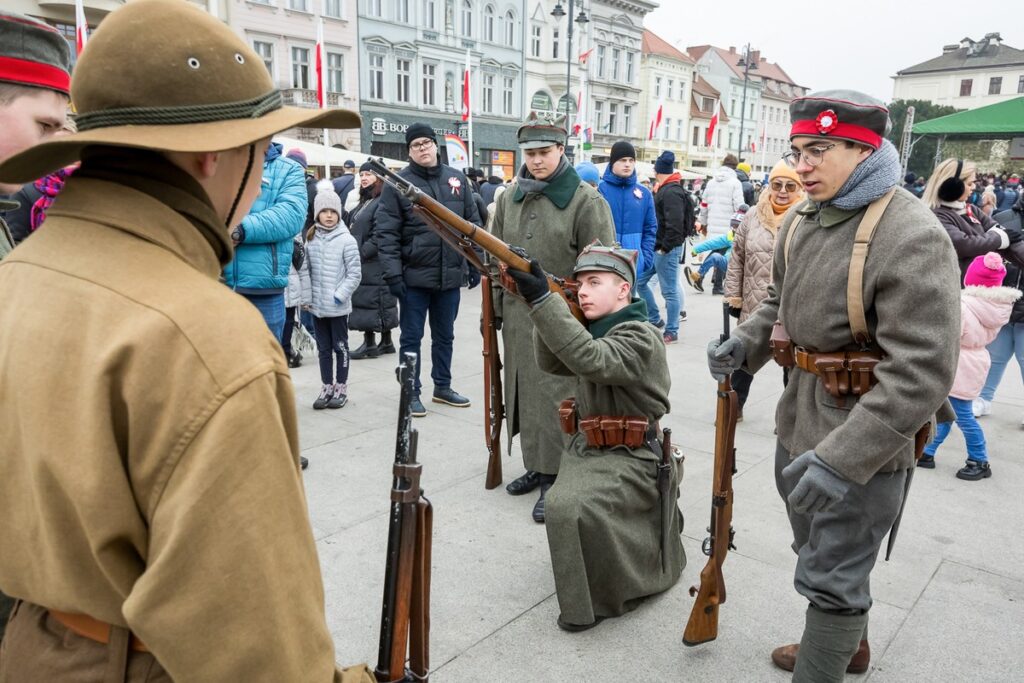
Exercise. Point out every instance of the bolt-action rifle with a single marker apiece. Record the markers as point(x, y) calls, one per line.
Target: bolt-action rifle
point(405, 609)
point(703, 623)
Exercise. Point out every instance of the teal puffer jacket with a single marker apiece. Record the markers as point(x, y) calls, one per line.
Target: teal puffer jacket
point(263, 258)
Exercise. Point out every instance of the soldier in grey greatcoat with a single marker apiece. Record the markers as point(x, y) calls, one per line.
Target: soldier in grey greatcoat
point(552, 214)
point(842, 463)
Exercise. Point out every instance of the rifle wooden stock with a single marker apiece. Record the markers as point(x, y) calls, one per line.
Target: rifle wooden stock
point(405, 609)
point(703, 623)
point(494, 400)
point(462, 236)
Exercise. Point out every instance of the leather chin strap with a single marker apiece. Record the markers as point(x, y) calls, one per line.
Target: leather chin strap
point(241, 189)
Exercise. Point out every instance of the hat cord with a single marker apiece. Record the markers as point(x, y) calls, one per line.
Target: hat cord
point(190, 113)
point(241, 188)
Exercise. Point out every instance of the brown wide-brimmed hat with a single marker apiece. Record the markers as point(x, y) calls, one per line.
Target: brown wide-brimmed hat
point(164, 75)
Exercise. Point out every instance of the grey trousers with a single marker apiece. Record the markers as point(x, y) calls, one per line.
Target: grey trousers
point(837, 549)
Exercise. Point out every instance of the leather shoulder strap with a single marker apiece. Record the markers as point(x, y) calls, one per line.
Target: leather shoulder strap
point(789, 238)
point(855, 280)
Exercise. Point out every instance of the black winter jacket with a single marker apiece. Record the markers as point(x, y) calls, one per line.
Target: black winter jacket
point(972, 238)
point(374, 308)
point(19, 220)
point(673, 208)
point(408, 248)
point(748, 188)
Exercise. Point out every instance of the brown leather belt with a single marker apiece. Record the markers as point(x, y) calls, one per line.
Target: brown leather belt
point(604, 431)
point(93, 629)
point(841, 373)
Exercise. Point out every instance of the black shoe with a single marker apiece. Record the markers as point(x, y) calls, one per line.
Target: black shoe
point(717, 291)
point(295, 359)
point(524, 484)
point(386, 345)
point(576, 628)
point(695, 280)
point(416, 408)
point(974, 470)
point(682, 317)
point(660, 324)
point(365, 351)
point(927, 462)
point(303, 462)
point(340, 397)
point(451, 397)
point(538, 509)
point(325, 395)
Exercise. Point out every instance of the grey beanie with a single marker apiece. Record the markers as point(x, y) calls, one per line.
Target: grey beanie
point(326, 198)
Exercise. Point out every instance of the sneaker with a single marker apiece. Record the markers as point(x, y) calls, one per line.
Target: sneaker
point(416, 408)
point(670, 337)
point(303, 462)
point(325, 395)
point(340, 396)
point(295, 359)
point(450, 397)
point(682, 317)
point(660, 324)
point(694, 279)
point(981, 407)
point(927, 462)
point(974, 470)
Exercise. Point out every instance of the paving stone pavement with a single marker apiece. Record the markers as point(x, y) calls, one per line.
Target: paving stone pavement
point(949, 606)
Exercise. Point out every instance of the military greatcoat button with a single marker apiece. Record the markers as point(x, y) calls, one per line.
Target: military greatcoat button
point(529, 235)
point(533, 216)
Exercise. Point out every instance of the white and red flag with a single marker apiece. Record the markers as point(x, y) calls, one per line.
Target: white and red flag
point(711, 126)
point(656, 120)
point(466, 111)
point(321, 84)
point(81, 28)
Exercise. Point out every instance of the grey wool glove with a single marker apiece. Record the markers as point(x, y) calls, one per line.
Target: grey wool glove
point(819, 486)
point(725, 357)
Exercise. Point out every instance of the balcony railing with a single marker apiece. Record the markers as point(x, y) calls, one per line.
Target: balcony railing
point(303, 97)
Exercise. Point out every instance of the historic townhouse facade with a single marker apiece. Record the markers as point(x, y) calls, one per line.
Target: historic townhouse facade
point(412, 57)
point(666, 75)
point(704, 100)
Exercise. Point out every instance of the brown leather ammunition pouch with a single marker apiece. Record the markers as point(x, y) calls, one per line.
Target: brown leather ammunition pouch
point(608, 431)
point(781, 346)
point(841, 373)
point(567, 415)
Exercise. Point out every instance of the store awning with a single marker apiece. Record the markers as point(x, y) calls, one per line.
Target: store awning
point(1003, 120)
point(316, 154)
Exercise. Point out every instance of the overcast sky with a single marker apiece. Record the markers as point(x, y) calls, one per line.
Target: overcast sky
point(832, 46)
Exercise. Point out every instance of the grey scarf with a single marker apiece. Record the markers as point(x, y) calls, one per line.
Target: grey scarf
point(530, 184)
point(872, 178)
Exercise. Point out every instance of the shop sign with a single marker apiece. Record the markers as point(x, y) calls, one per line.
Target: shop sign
point(381, 126)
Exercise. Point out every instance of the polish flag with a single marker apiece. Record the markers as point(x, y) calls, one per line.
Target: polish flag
point(584, 56)
point(711, 126)
point(81, 28)
point(465, 91)
point(656, 121)
point(321, 85)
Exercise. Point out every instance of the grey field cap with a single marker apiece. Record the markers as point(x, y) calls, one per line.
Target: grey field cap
point(615, 259)
point(542, 130)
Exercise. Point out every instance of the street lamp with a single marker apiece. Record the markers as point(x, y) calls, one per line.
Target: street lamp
point(747, 63)
point(582, 19)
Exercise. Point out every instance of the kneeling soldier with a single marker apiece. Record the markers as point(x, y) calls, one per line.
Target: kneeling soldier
point(605, 523)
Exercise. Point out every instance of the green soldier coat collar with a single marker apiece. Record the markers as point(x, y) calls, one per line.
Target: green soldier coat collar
point(635, 311)
point(828, 215)
point(561, 188)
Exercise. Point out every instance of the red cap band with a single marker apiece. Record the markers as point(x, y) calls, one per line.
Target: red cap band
point(847, 131)
point(14, 70)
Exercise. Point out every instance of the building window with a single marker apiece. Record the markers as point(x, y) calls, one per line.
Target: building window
point(489, 93)
point(995, 85)
point(696, 136)
point(300, 67)
point(373, 8)
point(332, 8)
point(629, 71)
point(599, 115)
point(402, 11)
point(429, 79)
point(627, 119)
point(535, 30)
point(510, 29)
point(489, 23)
point(679, 130)
point(554, 43)
point(600, 61)
point(299, 5)
point(1020, 85)
point(668, 128)
point(376, 77)
point(730, 140)
point(707, 104)
point(657, 87)
point(616, 55)
point(403, 70)
point(613, 114)
point(429, 13)
point(506, 97)
point(732, 108)
point(335, 72)
point(467, 19)
point(671, 88)
point(266, 52)
point(965, 87)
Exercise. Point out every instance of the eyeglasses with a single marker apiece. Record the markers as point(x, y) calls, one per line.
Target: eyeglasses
point(779, 186)
point(812, 155)
point(422, 144)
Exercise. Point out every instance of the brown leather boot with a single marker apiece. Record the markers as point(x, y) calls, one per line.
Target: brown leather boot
point(785, 658)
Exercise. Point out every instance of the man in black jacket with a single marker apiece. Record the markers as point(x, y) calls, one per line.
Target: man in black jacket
point(421, 270)
point(673, 208)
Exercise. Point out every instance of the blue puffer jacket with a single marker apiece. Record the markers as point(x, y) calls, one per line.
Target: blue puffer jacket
point(264, 257)
point(632, 204)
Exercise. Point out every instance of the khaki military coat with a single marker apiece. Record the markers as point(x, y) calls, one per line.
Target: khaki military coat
point(603, 515)
point(149, 465)
point(553, 227)
point(911, 299)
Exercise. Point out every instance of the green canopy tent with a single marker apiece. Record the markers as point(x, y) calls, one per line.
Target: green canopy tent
point(1000, 121)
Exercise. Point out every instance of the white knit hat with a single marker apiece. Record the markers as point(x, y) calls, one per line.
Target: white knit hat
point(326, 198)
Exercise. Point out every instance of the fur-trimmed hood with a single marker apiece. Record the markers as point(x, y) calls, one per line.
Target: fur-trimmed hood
point(997, 294)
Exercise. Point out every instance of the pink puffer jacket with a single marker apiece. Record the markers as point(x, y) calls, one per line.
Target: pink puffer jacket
point(983, 311)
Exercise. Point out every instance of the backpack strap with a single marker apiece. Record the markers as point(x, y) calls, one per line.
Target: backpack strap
point(855, 280)
point(789, 238)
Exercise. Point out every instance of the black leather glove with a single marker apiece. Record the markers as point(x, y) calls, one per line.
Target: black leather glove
point(532, 285)
point(397, 288)
point(735, 311)
point(1014, 233)
point(473, 278)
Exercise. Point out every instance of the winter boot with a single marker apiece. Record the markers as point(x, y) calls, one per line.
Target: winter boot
point(294, 359)
point(326, 393)
point(340, 396)
point(386, 345)
point(369, 348)
point(974, 470)
point(828, 645)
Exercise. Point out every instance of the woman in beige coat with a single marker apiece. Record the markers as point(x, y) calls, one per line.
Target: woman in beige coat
point(750, 267)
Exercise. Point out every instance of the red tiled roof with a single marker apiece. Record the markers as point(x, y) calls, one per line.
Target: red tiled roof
point(702, 88)
point(765, 69)
point(653, 44)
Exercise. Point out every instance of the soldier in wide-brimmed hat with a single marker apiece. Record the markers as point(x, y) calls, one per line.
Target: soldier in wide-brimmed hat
point(152, 513)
